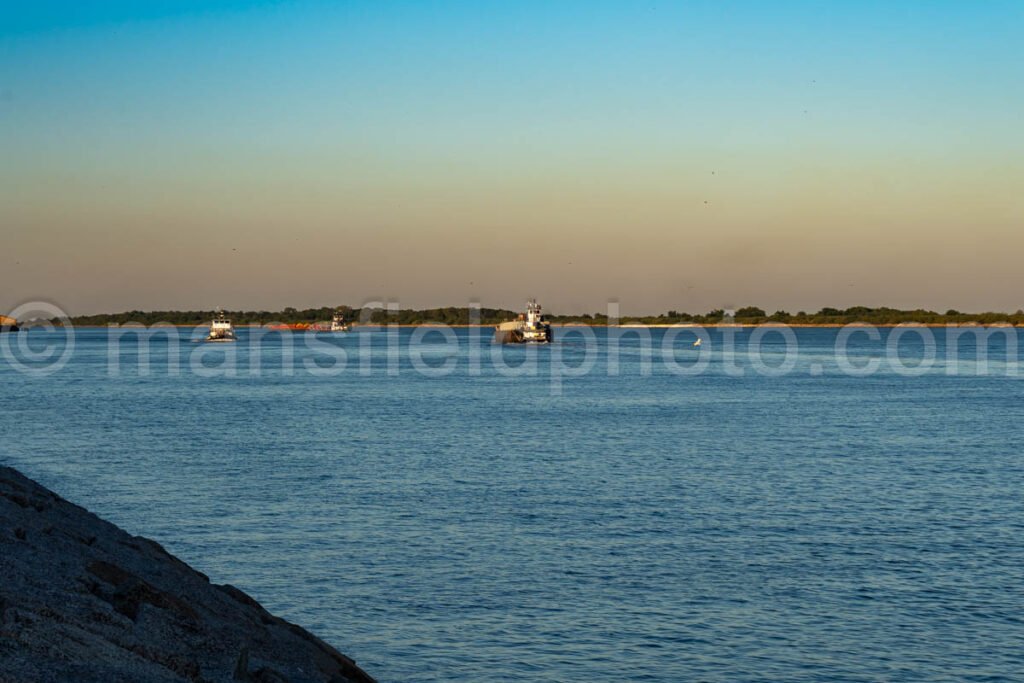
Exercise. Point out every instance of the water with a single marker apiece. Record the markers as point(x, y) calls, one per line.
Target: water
point(812, 526)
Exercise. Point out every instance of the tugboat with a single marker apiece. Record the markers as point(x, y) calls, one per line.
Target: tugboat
point(531, 328)
point(221, 329)
point(338, 322)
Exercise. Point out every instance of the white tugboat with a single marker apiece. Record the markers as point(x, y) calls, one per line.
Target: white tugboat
point(531, 328)
point(221, 329)
point(338, 322)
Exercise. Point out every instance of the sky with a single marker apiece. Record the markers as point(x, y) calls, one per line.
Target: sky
point(665, 155)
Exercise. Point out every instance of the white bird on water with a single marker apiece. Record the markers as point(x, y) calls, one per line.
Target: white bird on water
point(697, 343)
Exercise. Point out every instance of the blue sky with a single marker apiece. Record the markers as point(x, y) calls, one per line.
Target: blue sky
point(677, 155)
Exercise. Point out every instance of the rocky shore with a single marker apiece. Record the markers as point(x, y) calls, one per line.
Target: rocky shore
point(82, 601)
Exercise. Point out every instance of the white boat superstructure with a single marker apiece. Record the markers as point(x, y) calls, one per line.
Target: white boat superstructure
point(221, 329)
point(536, 329)
point(339, 324)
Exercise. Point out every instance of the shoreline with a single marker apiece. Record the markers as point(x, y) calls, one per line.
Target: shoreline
point(355, 327)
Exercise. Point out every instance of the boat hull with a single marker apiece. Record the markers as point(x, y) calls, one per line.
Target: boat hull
point(514, 333)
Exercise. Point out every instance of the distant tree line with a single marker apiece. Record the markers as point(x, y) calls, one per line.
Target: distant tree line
point(448, 316)
point(752, 315)
point(748, 315)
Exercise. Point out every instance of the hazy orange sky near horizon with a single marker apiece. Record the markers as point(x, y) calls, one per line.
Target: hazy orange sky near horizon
point(695, 156)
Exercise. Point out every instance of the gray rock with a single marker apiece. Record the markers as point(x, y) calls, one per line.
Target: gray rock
point(83, 601)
